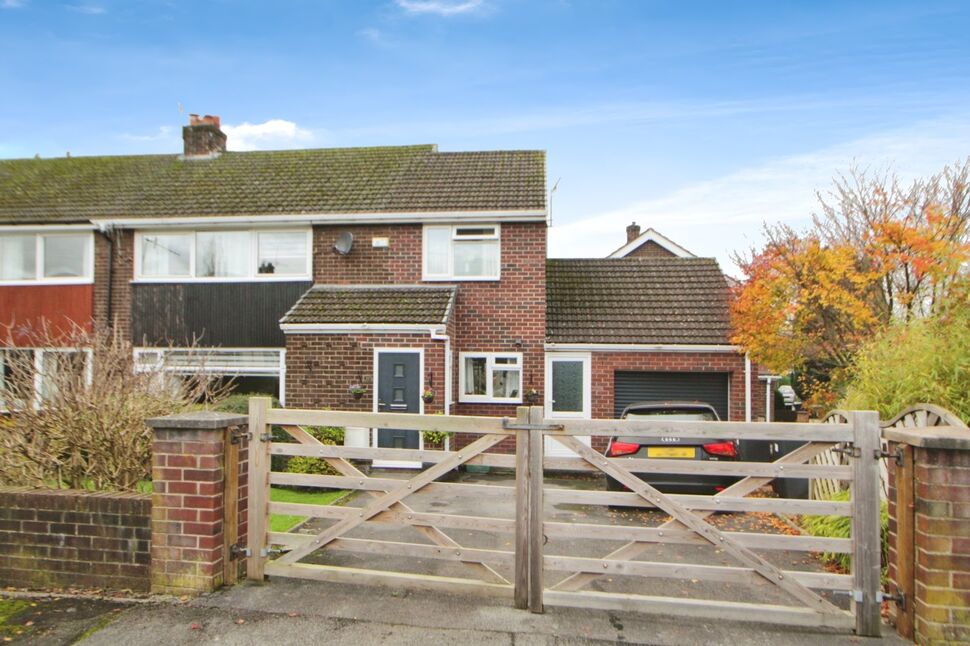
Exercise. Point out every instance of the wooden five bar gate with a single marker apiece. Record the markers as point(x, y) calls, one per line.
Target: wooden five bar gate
point(538, 566)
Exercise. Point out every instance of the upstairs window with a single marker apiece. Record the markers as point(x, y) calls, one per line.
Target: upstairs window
point(490, 377)
point(47, 258)
point(461, 252)
point(223, 255)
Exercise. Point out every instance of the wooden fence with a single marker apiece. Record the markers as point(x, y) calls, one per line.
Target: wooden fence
point(516, 561)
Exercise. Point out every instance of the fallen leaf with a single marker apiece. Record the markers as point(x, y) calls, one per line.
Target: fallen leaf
point(195, 626)
point(292, 614)
point(240, 621)
point(28, 623)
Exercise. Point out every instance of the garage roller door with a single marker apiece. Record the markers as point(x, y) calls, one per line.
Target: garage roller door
point(708, 387)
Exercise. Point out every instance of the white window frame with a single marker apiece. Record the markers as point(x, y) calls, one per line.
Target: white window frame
point(490, 366)
point(252, 276)
point(38, 361)
point(39, 278)
point(453, 228)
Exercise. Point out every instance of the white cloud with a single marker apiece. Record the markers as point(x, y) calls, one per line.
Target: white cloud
point(269, 135)
point(373, 35)
point(12, 4)
point(163, 133)
point(89, 9)
point(440, 7)
point(725, 214)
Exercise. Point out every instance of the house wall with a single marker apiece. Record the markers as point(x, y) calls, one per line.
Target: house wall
point(27, 308)
point(321, 367)
point(650, 249)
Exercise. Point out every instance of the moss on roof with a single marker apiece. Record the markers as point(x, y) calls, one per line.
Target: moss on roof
point(636, 300)
point(383, 304)
point(326, 180)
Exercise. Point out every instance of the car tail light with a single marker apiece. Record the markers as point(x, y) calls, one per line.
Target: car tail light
point(623, 448)
point(727, 449)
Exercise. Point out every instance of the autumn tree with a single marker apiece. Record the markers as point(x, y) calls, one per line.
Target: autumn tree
point(877, 252)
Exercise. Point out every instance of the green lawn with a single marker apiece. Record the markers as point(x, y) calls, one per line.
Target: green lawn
point(281, 522)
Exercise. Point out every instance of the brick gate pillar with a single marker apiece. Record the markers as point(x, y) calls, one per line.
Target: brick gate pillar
point(930, 533)
point(198, 500)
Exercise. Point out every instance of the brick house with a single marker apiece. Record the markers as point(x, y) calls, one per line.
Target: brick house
point(418, 275)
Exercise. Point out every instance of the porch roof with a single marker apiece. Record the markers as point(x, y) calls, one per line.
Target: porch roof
point(373, 304)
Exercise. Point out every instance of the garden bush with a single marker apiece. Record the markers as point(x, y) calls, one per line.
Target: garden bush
point(841, 527)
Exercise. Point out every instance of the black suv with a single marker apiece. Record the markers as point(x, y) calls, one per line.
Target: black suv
point(674, 448)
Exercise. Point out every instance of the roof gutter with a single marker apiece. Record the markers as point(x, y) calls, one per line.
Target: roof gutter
point(528, 215)
point(639, 347)
point(361, 328)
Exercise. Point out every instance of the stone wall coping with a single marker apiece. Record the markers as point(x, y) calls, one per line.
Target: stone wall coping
point(197, 420)
point(934, 437)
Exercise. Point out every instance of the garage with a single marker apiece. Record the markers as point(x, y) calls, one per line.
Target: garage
point(708, 387)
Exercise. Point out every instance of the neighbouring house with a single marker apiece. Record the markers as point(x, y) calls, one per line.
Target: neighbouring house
point(394, 278)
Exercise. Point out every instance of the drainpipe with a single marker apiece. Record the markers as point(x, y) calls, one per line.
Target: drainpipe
point(437, 335)
point(747, 387)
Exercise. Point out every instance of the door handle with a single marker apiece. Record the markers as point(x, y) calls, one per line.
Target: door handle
point(381, 404)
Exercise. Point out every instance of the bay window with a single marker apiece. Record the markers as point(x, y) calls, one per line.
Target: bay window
point(223, 255)
point(490, 377)
point(462, 252)
point(55, 258)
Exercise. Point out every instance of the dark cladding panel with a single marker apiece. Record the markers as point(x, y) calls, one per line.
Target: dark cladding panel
point(229, 315)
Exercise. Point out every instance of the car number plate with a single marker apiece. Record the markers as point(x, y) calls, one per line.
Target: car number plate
point(671, 451)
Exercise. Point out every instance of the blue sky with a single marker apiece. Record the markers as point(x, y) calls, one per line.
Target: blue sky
point(701, 119)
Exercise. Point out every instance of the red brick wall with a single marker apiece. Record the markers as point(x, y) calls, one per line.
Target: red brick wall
point(399, 263)
point(74, 539)
point(321, 367)
point(188, 508)
point(122, 273)
point(650, 249)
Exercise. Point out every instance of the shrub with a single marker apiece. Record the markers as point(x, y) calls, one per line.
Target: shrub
point(841, 527)
point(331, 435)
point(86, 428)
point(239, 403)
point(919, 361)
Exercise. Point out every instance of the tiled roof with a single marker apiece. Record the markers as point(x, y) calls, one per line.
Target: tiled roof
point(636, 300)
point(373, 304)
point(285, 182)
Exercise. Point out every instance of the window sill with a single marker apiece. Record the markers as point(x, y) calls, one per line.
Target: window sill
point(461, 279)
point(486, 400)
point(46, 281)
point(247, 279)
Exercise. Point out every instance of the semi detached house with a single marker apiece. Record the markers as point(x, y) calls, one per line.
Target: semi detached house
point(420, 276)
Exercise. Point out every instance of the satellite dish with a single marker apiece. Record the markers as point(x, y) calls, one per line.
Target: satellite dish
point(344, 243)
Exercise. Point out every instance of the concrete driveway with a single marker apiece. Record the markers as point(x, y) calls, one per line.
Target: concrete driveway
point(300, 612)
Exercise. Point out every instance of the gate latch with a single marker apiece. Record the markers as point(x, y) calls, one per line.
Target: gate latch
point(899, 598)
point(237, 435)
point(238, 551)
point(848, 450)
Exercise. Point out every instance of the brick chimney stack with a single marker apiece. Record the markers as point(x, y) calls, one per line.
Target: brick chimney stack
point(632, 232)
point(202, 137)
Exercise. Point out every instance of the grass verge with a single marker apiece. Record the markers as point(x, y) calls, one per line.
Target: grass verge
point(285, 522)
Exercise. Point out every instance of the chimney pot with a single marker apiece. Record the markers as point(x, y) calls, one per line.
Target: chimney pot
point(203, 136)
point(632, 232)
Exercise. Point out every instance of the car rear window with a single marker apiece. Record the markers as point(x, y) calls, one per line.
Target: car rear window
point(673, 414)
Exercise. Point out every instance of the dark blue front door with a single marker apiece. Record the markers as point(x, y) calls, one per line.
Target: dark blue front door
point(398, 391)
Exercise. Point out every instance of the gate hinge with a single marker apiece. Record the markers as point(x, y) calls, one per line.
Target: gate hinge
point(237, 551)
point(897, 455)
point(899, 598)
point(848, 450)
point(237, 435)
point(266, 437)
point(267, 551)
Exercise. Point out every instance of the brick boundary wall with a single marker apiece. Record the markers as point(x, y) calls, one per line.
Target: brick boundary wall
point(940, 552)
point(188, 504)
point(74, 539)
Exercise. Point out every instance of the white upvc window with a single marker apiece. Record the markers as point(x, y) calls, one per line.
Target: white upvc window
point(223, 255)
point(490, 377)
point(462, 252)
point(42, 366)
point(47, 258)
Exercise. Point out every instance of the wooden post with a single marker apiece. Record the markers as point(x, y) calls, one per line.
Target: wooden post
point(522, 511)
point(906, 543)
point(867, 548)
point(230, 505)
point(536, 537)
point(259, 466)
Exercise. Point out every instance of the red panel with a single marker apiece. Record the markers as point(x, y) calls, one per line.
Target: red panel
point(24, 308)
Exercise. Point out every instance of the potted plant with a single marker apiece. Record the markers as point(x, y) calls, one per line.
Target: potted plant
point(357, 390)
point(428, 395)
point(436, 440)
point(531, 396)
